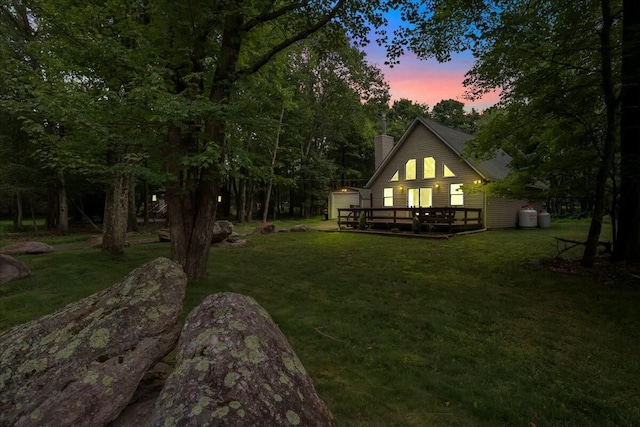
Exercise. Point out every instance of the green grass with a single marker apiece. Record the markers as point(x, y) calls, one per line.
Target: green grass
point(411, 332)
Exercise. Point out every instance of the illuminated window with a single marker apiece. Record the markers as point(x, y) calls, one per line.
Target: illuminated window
point(387, 199)
point(429, 170)
point(410, 170)
point(447, 172)
point(395, 176)
point(456, 195)
point(419, 197)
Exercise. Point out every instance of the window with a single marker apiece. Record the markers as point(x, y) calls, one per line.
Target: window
point(395, 176)
point(410, 170)
point(456, 195)
point(429, 169)
point(387, 199)
point(419, 197)
point(446, 172)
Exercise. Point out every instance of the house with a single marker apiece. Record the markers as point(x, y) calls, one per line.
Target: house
point(426, 169)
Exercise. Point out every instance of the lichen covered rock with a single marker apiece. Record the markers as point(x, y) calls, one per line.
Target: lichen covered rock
point(11, 268)
point(81, 365)
point(234, 367)
point(27, 248)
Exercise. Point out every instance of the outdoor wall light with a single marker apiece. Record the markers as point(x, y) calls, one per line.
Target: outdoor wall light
point(437, 185)
point(477, 181)
point(401, 188)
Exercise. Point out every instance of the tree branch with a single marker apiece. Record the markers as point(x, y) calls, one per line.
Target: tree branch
point(291, 40)
point(266, 17)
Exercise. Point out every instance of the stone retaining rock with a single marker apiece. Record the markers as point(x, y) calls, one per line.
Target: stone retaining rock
point(300, 227)
point(81, 365)
point(234, 367)
point(27, 248)
point(11, 268)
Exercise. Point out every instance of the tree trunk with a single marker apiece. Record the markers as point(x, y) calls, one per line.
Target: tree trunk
point(267, 197)
point(51, 221)
point(115, 215)
point(33, 215)
point(249, 206)
point(608, 150)
point(132, 216)
point(241, 201)
point(191, 199)
point(17, 220)
point(146, 203)
point(627, 247)
point(63, 206)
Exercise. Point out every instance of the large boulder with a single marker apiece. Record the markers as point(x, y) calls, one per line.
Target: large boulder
point(81, 365)
point(221, 231)
point(300, 227)
point(28, 248)
point(11, 268)
point(234, 367)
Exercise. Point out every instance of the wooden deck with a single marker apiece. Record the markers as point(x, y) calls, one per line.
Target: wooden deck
point(446, 219)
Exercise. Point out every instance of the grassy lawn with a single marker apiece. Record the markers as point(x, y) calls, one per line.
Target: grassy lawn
point(411, 332)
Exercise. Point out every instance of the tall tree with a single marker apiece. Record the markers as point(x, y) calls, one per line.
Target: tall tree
point(628, 245)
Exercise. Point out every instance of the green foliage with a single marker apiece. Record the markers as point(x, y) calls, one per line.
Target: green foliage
point(415, 225)
point(362, 221)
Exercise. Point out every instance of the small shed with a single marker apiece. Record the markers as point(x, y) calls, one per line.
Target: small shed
point(348, 197)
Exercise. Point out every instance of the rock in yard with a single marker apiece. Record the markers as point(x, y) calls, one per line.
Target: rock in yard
point(221, 231)
point(234, 367)
point(233, 241)
point(11, 268)
point(94, 242)
point(28, 248)
point(164, 235)
point(81, 365)
point(264, 228)
point(300, 227)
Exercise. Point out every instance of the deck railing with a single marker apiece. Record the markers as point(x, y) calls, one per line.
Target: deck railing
point(432, 217)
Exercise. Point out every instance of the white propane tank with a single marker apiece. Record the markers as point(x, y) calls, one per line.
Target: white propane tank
point(544, 219)
point(527, 217)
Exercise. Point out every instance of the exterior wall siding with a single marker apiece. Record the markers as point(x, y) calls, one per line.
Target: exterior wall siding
point(421, 143)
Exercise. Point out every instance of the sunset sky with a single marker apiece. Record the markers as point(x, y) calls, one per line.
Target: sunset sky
point(427, 82)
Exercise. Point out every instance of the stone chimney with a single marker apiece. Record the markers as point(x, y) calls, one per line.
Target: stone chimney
point(383, 143)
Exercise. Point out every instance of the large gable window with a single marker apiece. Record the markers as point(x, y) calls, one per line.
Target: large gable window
point(456, 195)
point(446, 172)
point(387, 197)
point(429, 167)
point(410, 170)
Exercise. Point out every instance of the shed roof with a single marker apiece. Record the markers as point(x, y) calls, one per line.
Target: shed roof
point(490, 170)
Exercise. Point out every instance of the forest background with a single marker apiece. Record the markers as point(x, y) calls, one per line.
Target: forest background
point(258, 109)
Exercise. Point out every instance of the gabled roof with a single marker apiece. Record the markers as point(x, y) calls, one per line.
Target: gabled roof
point(365, 193)
point(490, 170)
